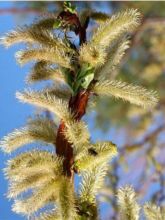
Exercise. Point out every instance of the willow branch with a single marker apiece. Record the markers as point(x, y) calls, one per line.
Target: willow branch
point(21, 11)
point(146, 139)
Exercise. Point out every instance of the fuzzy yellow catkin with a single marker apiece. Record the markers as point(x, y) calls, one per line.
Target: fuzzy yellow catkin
point(39, 130)
point(113, 58)
point(134, 94)
point(47, 101)
point(128, 207)
point(105, 151)
point(40, 198)
point(41, 72)
point(92, 181)
point(116, 26)
point(34, 35)
point(66, 200)
point(52, 55)
point(153, 212)
point(94, 52)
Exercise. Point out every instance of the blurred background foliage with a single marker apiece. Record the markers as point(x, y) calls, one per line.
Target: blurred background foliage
point(141, 160)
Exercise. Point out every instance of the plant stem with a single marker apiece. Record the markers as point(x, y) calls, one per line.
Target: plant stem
point(77, 104)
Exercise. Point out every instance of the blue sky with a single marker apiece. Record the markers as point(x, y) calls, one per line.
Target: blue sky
point(13, 114)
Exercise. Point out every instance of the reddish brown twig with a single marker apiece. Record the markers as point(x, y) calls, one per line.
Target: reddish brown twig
point(146, 139)
point(77, 104)
point(20, 11)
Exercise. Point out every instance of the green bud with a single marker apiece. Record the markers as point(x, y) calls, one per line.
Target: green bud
point(68, 7)
point(57, 24)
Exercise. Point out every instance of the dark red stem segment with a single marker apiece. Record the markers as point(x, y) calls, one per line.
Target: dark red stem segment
point(77, 105)
point(74, 22)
